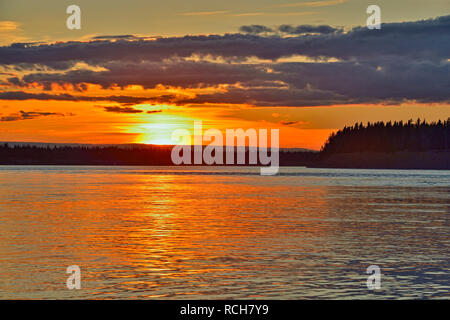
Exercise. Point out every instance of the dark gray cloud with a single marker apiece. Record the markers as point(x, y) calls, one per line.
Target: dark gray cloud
point(288, 29)
point(402, 61)
point(312, 84)
point(122, 36)
point(117, 109)
point(21, 95)
point(323, 29)
point(255, 29)
point(288, 84)
point(130, 37)
point(289, 123)
point(24, 115)
point(427, 39)
point(149, 74)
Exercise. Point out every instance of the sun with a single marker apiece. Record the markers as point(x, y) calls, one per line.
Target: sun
point(157, 141)
point(158, 128)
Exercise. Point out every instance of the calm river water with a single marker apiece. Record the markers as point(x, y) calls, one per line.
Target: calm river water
point(223, 233)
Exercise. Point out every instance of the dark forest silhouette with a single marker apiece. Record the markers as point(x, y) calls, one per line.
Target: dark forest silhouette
point(390, 137)
point(409, 145)
point(113, 155)
point(398, 145)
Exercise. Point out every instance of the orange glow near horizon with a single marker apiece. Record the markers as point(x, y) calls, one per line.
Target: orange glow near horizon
point(90, 121)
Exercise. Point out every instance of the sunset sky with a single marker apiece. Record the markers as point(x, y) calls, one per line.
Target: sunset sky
point(137, 70)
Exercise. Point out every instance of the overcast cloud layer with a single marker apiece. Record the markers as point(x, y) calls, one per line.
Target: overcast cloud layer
point(402, 61)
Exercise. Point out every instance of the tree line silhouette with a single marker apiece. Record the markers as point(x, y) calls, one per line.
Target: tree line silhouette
point(84, 155)
point(412, 136)
point(151, 155)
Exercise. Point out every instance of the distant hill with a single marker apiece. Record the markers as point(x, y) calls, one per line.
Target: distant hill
point(23, 153)
point(84, 145)
point(123, 145)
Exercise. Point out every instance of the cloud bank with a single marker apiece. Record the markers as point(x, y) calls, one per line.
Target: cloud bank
point(262, 66)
